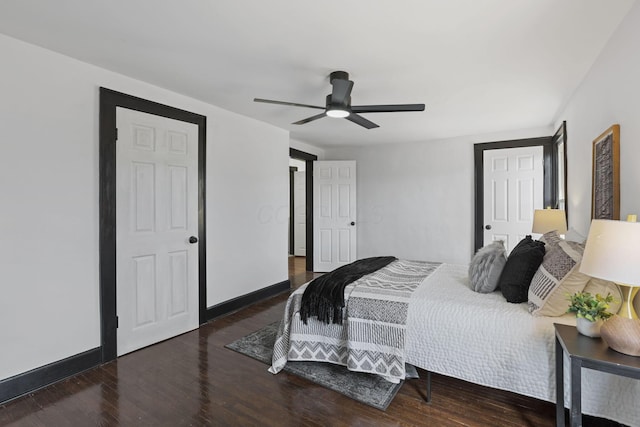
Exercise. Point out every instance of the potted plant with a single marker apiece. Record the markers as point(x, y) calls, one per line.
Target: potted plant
point(591, 311)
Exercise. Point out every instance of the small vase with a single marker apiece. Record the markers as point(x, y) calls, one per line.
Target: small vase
point(589, 328)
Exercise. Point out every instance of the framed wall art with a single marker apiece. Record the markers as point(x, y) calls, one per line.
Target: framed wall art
point(605, 189)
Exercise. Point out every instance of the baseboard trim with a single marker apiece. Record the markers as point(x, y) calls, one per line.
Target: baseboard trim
point(246, 300)
point(43, 376)
point(30, 381)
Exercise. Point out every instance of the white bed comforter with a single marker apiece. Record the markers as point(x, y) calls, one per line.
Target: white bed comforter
point(483, 339)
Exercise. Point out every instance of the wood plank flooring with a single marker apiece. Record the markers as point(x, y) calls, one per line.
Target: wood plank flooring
point(298, 274)
point(192, 380)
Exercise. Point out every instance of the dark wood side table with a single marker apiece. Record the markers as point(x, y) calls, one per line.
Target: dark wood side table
point(585, 352)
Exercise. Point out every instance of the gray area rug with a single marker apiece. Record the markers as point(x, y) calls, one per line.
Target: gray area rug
point(366, 388)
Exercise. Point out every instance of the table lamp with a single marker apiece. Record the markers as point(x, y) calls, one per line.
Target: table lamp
point(612, 252)
point(545, 220)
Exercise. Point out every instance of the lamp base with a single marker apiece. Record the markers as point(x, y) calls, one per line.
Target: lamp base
point(622, 335)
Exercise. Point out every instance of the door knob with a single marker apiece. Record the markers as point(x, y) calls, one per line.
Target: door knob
point(352, 223)
point(193, 239)
point(487, 227)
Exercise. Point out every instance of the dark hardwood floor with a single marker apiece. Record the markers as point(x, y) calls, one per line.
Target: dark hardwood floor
point(193, 380)
point(298, 274)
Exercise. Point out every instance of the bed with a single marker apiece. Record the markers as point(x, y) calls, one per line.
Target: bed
point(454, 331)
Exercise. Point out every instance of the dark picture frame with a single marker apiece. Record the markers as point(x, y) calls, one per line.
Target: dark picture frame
point(605, 189)
point(559, 170)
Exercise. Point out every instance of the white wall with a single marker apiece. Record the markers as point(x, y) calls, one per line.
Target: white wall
point(415, 201)
point(610, 93)
point(247, 207)
point(49, 306)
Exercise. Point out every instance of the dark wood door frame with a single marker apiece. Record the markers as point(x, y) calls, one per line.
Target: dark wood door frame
point(560, 137)
point(478, 160)
point(308, 159)
point(109, 100)
point(292, 169)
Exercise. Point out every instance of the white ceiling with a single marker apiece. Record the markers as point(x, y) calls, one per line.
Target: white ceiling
point(480, 66)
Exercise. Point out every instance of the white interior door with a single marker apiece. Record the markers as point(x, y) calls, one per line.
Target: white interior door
point(156, 215)
point(334, 214)
point(513, 189)
point(299, 214)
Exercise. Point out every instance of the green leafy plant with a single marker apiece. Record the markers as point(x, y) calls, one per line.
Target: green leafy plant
point(590, 307)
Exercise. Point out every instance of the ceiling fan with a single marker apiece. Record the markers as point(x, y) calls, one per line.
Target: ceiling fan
point(338, 104)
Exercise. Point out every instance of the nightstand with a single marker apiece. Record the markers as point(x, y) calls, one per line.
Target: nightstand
point(585, 352)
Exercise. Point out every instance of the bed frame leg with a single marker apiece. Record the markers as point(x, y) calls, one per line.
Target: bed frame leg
point(428, 386)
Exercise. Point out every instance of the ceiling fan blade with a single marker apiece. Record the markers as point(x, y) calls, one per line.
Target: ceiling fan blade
point(341, 91)
point(361, 121)
point(309, 119)
point(387, 108)
point(295, 104)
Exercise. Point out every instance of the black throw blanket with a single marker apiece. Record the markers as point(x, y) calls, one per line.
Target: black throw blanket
point(324, 296)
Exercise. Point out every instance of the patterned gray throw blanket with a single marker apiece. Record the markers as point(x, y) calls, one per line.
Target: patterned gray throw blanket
point(371, 337)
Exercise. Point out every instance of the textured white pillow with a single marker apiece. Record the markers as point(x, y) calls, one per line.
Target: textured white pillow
point(486, 266)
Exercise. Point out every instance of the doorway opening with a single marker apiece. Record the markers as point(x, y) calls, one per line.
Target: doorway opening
point(297, 208)
point(304, 160)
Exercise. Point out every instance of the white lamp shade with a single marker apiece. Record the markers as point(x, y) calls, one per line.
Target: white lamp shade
point(612, 252)
point(545, 220)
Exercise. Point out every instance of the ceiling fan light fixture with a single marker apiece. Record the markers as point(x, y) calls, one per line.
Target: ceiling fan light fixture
point(338, 104)
point(338, 113)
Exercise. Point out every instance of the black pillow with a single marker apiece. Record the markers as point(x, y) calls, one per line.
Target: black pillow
point(522, 264)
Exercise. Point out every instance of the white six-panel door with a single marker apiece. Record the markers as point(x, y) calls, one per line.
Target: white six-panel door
point(334, 216)
point(299, 214)
point(513, 189)
point(156, 214)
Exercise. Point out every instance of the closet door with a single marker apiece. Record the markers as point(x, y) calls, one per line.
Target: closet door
point(157, 225)
point(513, 189)
point(334, 216)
